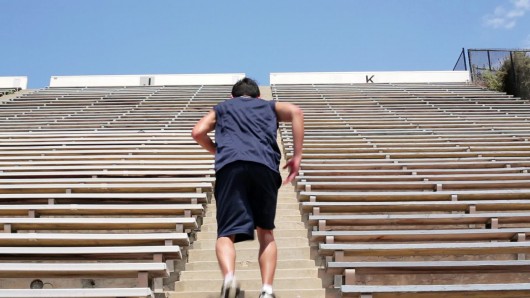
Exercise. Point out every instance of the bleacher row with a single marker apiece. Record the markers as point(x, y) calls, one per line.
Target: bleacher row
point(6, 91)
point(415, 190)
point(101, 189)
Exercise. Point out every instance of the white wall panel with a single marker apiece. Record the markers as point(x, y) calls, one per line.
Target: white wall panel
point(370, 77)
point(14, 82)
point(135, 80)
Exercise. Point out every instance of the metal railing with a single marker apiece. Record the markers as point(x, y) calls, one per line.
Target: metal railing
point(461, 63)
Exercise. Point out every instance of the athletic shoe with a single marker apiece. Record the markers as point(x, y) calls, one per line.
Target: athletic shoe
point(265, 295)
point(231, 290)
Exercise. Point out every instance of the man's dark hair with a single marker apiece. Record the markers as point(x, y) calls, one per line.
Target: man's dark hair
point(245, 86)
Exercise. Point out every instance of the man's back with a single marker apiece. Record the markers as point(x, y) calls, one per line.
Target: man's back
point(245, 130)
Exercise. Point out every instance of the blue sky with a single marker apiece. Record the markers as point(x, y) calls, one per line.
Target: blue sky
point(41, 38)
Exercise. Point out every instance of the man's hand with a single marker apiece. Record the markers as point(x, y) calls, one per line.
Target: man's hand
point(287, 112)
point(294, 166)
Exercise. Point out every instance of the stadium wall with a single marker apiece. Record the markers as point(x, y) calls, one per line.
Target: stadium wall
point(370, 77)
point(145, 80)
point(14, 82)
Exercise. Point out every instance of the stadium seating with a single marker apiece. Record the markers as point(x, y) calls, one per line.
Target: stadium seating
point(102, 189)
point(5, 91)
point(415, 190)
point(408, 190)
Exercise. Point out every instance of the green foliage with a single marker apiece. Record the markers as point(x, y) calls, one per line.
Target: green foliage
point(517, 80)
point(492, 81)
point(512, 78)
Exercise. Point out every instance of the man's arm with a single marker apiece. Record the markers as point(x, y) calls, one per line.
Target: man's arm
point(201, 130)
point(287, 112)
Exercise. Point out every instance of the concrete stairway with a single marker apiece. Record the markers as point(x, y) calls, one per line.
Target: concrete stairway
point(296, 274)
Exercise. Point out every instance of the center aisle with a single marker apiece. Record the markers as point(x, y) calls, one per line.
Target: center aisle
point(296, 274)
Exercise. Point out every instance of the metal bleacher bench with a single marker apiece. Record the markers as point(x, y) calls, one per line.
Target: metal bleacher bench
point(157, 253)
point(490, 220)
point(94, 173)
point(350, 270)
point(109, 180)
point(493, 194)
point(178, 224)
point(142, 271)
point(414, 206)
point(37, 210)
point(515, 290)
point(105, 187)
point(403, 170)
point(203, 169)
point(469, 163)
point(413, 185)
point(78, 293)
point(433, 178)
point(93, 239)
point(52, 198)
point(383, 236)
point(340, 251)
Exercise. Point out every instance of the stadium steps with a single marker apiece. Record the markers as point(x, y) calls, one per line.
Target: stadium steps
point(296, 273)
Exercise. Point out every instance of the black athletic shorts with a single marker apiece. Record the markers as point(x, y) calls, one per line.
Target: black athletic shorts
point(246, 194)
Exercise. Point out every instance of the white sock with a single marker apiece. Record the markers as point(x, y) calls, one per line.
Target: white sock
point(267, 289)
point(229, 277)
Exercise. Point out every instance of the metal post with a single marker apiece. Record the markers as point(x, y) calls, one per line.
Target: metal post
point(471, 66)
point(465, 62)
point(489, 60)
point(462, 54)
point(471, 70)
point(515, 84)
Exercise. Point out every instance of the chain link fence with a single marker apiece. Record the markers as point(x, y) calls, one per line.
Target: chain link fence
point(501, 70)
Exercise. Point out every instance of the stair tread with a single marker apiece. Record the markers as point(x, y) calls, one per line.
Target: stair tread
point(292, 293)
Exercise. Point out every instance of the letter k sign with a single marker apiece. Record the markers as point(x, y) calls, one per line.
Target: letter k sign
point(369, 79)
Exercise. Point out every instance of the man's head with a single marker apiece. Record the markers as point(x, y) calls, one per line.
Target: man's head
point(245, 87)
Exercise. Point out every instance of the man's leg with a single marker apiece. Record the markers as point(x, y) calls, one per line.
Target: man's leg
point(226, 255)
point(268, 255)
